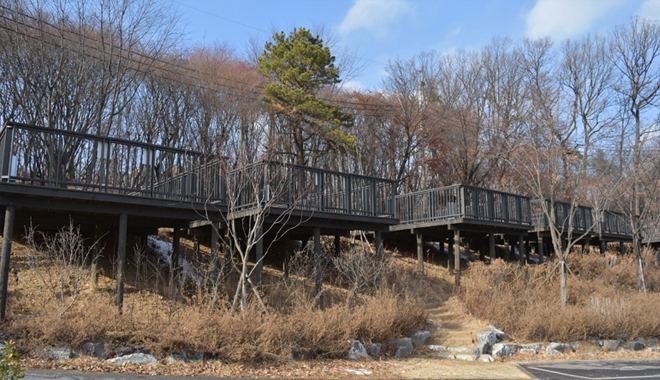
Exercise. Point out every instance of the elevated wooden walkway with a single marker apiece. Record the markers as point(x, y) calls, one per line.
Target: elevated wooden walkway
point(50, 176)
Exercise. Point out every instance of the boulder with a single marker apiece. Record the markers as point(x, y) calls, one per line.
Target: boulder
point(357, 351)
point(96, 349)
point(375, 348)
point(177, 357)
point(652, 342)
point(447, 356)
point(59, 353)
point(501, 350)
point(466, 357)
point(653, 349)
point(488, 336)
point(486, 358)
point(501, 335)
point(437, 347)
point(403, 346)
point(610, 345)
point(635, 345)
point(420, 337)
point(138, 358)
point(558, 348)
point(482, 348)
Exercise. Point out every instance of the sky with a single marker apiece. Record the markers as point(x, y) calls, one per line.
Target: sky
point(375, 32)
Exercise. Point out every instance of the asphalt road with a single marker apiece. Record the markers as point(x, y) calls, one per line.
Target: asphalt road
point(594, 370)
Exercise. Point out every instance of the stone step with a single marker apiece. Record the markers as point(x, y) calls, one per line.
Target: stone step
point(453, 333)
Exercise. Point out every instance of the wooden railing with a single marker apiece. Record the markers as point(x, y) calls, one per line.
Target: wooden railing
point(39, 156)
point(275, 184)
point(462, 201)
point(584, 219)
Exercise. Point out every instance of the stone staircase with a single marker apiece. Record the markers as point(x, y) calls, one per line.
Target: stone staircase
point(454, 334)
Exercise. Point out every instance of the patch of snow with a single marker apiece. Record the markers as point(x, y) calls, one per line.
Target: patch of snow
point(360, 371)
point(164, 250)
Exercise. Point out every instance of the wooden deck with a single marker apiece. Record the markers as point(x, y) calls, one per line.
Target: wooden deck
point(50, 176)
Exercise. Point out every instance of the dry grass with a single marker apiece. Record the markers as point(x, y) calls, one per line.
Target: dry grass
point(193, 320)
point(603, 301)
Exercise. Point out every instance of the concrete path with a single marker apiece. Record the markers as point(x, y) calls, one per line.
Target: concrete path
point(594, 370)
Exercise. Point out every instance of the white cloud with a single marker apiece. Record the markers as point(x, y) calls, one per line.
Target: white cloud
point(650, 9)
point(561, 19)
point(375, 16)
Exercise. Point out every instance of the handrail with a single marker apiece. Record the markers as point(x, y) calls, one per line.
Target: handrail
point(463, 201)
point(584, 219)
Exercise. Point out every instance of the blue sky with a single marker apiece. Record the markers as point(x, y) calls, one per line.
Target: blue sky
point(377, 31)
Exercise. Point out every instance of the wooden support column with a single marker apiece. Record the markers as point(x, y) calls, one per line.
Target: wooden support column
point(337, 245)
point(121, 260)
point(420, 253)
point(378, 242)
point(317, 267)
point(450, 255)
point(508, 251)
point(622, 248)
point(491, 247)
point(482, 249)
point(603, 246)
point(174, 258)
point(260, 254)
point(457, 257)
point(540, 246)
point(7, 237)
point(586, 247)
point(287, 255)
point(215, 251)
point(521, 249)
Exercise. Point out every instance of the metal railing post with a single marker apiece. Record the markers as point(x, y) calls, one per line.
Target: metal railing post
point(7, 136)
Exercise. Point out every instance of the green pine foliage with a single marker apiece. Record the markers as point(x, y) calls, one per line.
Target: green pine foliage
point(299, 66)
point(10, 368)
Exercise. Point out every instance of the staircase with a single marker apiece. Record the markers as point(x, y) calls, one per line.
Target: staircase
point(452, 329)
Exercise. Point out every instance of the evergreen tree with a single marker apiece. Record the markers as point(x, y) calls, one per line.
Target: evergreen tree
point(300, 66)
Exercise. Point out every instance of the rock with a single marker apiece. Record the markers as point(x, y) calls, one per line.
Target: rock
point(138, 358)
point(460, 349)
point(447, 356)
point(537, 346)
point(125, 350)
point(610, 345)
point(177, 357)
point(504, 349)
point(466, 357)
point(488, 336)
point(437, 347)
point(404, 347)
point(501, 335)
point(420, 337)
point(375, 348)
point(59, 353)
point(652, 342)
point(635, 345)
point(482, 348)
point(653, 349)
point(357, 351)
point(96, 349)
point(486, 358)
point(558, 348)
point(575, 345)
point(533, 351)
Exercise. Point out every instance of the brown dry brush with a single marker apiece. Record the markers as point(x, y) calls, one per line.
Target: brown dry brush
point(603, 300)
point(196, 320)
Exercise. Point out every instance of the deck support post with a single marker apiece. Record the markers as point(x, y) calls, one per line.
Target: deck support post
point(603, 246)
point(174, 259)
point(491, 247)
point(539, 246)
point(457, 257)
point(622, 248)
point(337, 245)
point(94, 271)
point(482, 249)
point(509, 250)
point(260, 254)
point(450, 255)
point(287, 255)
point(317, 267)
point(420, 253)
point(10, 212)
point(378, 242)
point(521, 249)
point(586, 247)
point(121, 260)
point(215, 238)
